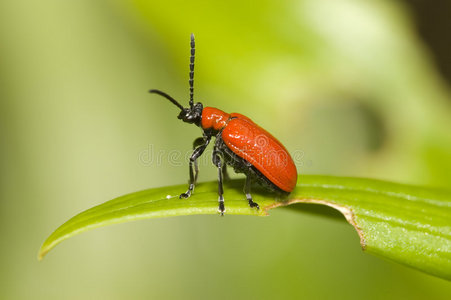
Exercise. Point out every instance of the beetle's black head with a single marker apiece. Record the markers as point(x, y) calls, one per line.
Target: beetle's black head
point(192, 115)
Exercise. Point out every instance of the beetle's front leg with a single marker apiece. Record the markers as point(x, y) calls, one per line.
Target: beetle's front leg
point(199, 146)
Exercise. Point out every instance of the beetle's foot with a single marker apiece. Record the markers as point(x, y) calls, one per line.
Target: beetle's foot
point(253, 204)
point(221, 208)
point(188, 192)
point(185, 195)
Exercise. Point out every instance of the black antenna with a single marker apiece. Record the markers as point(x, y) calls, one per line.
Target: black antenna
point(191, 72)
point(167, 97)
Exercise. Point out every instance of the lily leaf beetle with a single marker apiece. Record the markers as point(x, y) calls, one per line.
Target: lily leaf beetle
point(239, 143)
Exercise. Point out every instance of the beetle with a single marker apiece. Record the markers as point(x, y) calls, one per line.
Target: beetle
point(239, 143)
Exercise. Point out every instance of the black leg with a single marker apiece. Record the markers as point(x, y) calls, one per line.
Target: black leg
point(199, 146)
point(247, 191)
point(217, 162)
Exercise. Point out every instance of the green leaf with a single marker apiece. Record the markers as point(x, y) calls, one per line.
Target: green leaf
point(407, 224)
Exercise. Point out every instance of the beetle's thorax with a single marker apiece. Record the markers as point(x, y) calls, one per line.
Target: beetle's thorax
point(214, 119)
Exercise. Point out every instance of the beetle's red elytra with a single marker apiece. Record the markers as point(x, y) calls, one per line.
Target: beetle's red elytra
point(239, 143)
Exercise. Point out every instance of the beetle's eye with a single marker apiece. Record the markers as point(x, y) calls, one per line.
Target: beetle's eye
point(184, 114)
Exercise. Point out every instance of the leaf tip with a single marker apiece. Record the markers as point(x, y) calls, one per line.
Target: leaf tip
point(43, 252)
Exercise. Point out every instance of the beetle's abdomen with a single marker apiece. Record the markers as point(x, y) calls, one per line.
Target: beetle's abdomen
point(213, 118)
point(257, 146)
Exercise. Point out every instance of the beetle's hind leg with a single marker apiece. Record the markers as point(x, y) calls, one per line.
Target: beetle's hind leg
point(247, 191)
point(199, 146)
point(218, 163)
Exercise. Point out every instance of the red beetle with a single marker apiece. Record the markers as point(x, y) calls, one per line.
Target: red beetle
point(240, 143)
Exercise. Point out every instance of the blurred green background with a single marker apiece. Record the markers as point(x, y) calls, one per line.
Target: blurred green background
point(355, 88)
